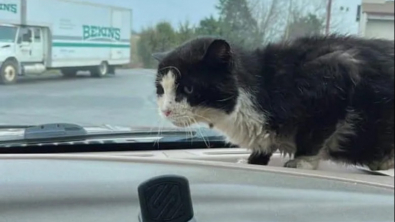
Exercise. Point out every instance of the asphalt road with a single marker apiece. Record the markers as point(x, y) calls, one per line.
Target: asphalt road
point(126, 99)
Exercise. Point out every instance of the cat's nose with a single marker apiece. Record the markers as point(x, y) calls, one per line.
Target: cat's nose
point(166, 112)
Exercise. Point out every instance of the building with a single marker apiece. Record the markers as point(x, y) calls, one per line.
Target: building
point(343, 17)
point(376, 19)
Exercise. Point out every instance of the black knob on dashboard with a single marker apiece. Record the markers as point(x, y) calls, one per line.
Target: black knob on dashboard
point(167, 199)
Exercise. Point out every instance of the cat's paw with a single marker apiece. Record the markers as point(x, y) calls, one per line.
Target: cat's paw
point(302, 163)
point(257, 158)
point(384, 165)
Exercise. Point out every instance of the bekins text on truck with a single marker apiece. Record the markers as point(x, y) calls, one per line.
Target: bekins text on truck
point(34, 39)
point(8, 7)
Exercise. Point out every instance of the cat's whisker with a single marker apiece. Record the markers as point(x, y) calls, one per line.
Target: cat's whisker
point(186, 134)
point(201, 103)
point(193, 121)
point(151, 109)
point(204, 110)
point(159, 132)
point(206, 142)
point(151, 130)
point(186, 126)
point(227, 99)
point(190, 132)
point(203, 113)
point(204, 118)
point(153, 127)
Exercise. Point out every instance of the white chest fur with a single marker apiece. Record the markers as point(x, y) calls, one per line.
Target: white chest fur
point(246, 128)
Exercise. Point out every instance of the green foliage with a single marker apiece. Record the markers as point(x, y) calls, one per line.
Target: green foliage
point(236, 22)
point(160, 38)
point(166, 37)
point(209, 26)
point(145, 47)
point(185, 32)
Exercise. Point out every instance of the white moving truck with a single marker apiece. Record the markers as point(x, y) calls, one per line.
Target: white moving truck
point(66, 35)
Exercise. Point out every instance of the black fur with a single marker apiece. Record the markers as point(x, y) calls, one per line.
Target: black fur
point(203, 70)
point(311, 85)
point(259, 158)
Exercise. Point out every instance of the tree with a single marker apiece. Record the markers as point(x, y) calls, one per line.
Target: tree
point(306, 26)
point(166, 36)
point(306, 13)
point(209, 26)
point(185, 32)
point(158, 39)
point(145, 47)
point(340, 22)
point(237, 23)
point(135, 57)
point(271, 17)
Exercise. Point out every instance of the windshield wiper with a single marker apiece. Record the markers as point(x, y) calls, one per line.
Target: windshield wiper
point(54, 131)
point(65, 132)
point(71, 138)
point(15, 126)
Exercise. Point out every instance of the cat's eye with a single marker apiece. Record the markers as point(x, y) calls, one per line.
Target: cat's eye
point(188, 90)
point(159, 90)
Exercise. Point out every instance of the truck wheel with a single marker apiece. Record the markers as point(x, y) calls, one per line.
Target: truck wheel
point(100, 71)
point(9, 72)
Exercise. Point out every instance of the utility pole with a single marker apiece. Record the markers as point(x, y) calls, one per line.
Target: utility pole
point(328, 17)
point(288, 20)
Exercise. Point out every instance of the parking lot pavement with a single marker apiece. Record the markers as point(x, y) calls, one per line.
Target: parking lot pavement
point(126, 99)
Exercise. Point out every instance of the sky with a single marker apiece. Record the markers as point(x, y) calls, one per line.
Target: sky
point(149, 12)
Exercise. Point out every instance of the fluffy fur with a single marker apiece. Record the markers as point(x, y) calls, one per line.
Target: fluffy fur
point(314, 98)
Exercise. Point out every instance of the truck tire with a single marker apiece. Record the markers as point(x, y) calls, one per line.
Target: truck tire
point(9, 72)
point(100, 71)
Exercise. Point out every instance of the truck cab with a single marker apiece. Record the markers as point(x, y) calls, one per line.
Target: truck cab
point(33, 40)
point(21, 51)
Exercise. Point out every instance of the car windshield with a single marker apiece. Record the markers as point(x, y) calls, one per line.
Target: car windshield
point(7, 34)
point(91, 63)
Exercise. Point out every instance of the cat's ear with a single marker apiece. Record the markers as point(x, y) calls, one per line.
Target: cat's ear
point(218, 51)
point(159, 56)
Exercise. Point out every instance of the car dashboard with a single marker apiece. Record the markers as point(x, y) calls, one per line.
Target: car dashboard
point(104, 187)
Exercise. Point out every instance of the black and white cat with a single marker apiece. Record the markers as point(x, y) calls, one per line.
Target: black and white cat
point(315, 98)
